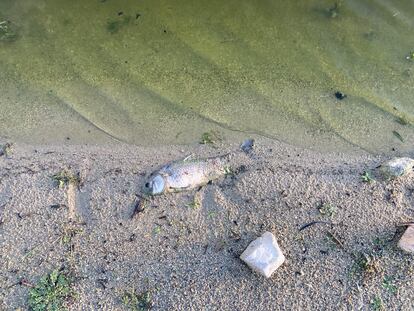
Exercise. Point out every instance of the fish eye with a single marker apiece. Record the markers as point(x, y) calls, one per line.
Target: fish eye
point(147, 185)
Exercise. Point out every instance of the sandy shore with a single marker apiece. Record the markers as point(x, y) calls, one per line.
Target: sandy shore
point(187, 257)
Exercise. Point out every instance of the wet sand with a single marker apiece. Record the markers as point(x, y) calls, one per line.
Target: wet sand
point(188, 258)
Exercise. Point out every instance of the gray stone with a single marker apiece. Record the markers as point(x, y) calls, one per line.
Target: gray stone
point(247, 145)
point(406, 242)
point(263, 255)
point(397, 167)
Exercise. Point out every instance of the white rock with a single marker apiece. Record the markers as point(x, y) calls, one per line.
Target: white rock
point(397, 167)
point(263, 255)
point(406, 242)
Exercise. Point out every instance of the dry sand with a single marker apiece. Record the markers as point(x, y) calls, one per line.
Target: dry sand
point(188, 258)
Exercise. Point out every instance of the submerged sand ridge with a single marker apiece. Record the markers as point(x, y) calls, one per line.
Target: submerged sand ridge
point(159, 72)
point(186, 255)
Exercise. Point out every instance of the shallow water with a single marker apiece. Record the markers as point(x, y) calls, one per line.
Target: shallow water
point(156, 72)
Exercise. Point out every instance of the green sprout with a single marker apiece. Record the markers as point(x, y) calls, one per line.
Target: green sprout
point(50, 292)
point(157, 229)
point(366, 177)
point(6, 150)
point(387, 283)
point(211, 214)
point(327, 209)
point(66, 177)
point(228, 171)
point(68, 234)
point(195, 203)
point(137, 302)
point(376, 304)
point(365, 263)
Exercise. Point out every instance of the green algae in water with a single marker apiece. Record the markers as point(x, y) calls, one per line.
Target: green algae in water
point(402, 120)
point(7, 31)
point(114, 26)
point(242, 67)
point(210, 137)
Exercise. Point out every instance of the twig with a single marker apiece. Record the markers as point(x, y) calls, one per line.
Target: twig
point(26, 283)
point(314, 223)
point(335, 239)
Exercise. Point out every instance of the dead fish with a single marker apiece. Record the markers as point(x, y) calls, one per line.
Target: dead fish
point(186, 174)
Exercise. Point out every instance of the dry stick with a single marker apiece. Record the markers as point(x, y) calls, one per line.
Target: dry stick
point(314, 223)
point(26, 283)
point(335, 239)
point(29, 253)
point(21, 282)
point(2, 210)
point(1, 213)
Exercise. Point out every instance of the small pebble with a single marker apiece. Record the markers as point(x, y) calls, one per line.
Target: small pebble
point(263, 255)
point(340, 95)
point(406, 242)
point(247, 145)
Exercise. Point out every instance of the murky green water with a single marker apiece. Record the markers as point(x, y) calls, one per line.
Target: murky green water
point(155, 72)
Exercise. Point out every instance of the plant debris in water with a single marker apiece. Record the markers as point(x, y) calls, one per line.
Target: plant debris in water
point(7, 31)
point(114, 26)
point(137, 302)
point(50, 292)
point(211, 138)
point(402, 121)
point(410, 56)
point(398, 135)
point(340, 95)
point(333, 11)
point(66, 177)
